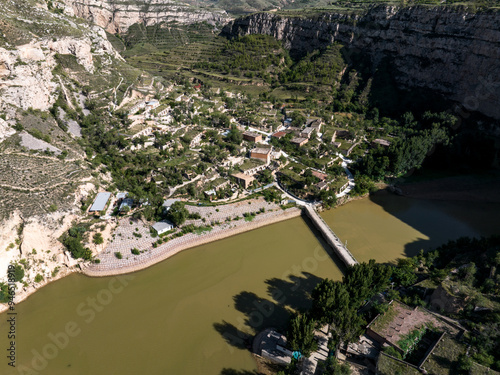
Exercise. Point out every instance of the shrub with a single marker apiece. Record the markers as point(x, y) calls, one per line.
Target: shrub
point(118, 255)
point(98, 239)
point(38, 278)
point(194, 215)
point(55, 272)
point(135, 251)
point(18, 272)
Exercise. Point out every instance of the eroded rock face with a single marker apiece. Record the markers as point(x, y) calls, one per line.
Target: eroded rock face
point(26, 71)
point(5, 130)
point(452, 52)
point(116, 16)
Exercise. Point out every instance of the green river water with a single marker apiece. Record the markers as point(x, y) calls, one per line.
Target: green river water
point(186, 315)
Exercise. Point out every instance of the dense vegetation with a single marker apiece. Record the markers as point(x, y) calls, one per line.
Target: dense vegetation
point(411, 142)
point(471, 265)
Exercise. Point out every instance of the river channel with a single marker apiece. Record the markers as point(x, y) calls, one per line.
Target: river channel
point(191, 313)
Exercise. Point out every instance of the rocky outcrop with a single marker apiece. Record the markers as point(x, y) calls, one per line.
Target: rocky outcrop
point(442, 300)
point(116, 16)
point(26, 71)
point(5, 130)
point(450, 51)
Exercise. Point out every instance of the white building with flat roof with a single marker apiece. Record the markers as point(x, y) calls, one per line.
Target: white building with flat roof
point(162, 226)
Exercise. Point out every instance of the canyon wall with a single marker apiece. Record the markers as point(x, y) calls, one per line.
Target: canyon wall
point(449, 51)
point(116, 16)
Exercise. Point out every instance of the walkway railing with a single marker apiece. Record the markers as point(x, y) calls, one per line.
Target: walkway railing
point(330, 235)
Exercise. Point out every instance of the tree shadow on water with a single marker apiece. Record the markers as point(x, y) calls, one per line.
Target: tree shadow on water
point(286, 295)
point(229, 371)
point(232, 335)
point(295, 292)
point(260, 312)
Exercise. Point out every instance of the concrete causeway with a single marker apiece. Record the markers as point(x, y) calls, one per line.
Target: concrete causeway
point(328, 234)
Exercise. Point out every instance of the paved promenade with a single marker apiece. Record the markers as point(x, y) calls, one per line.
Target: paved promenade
point(124, 240)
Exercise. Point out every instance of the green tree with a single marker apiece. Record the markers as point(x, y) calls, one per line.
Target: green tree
point(235, 136)
point(364, 280)
point(4, 293)
point(332, 305)
point(404, 272)
point(300, 335)
point(18, 272)
point(328, 197)
point(177, 213)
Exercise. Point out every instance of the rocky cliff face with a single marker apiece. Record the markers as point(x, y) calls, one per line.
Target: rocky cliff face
point(26, 70)
point(451, 52)
point(116, 16)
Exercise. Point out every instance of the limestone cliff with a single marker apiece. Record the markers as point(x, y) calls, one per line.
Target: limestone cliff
point(116, 16)
point(26, 70)
point(449, 51)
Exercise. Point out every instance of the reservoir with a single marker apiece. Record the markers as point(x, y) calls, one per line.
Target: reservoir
point(385, 226)
point(192, 313)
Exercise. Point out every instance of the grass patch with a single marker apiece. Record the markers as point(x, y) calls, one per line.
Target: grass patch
point(444, 358)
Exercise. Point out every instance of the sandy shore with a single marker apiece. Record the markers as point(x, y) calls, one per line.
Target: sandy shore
point(21, 295)
point(111, 266)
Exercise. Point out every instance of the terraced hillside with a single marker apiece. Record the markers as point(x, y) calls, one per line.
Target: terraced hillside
point(38, 184)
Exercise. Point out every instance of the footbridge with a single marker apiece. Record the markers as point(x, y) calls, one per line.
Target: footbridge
point(330, 237)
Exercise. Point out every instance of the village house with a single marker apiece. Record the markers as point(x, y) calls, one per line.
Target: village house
point(293, 130)
point(196, 140)
point(168, 203)
point(261, 153)
point(341, 134)
point(306, 133)
point(321, 176)
point(126, 205)
point(232, 161)
point(380, 142)
point(164, 112)
point(255, 170)
point(279, 135)
point(100, 202)
point(152, 104)
point(252, 137)
point(136, 108)
point(243, 180)
point(403, 320)
point(315, 124)
point(210, 194)
point(299, 141)
point(322, 185)
point(144, 132)
point(162, 227)
point(220, 185)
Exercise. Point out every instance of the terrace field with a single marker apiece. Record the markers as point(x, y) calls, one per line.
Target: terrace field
point(36, 184)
